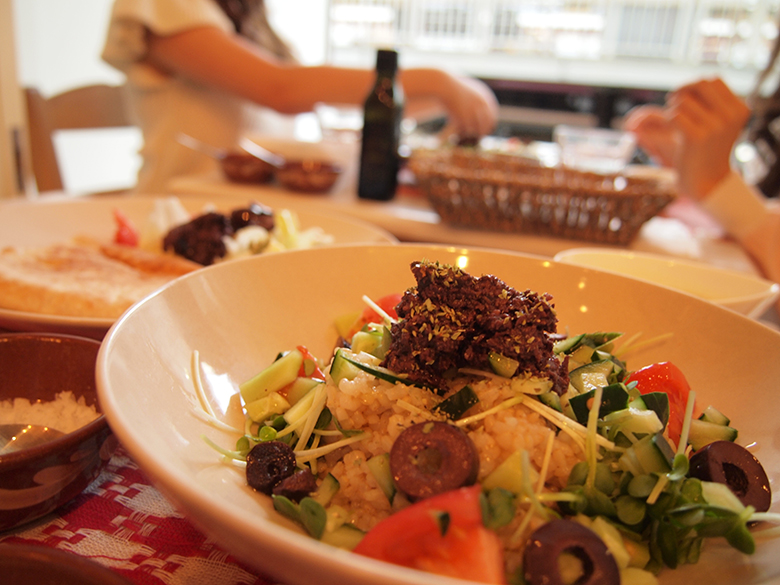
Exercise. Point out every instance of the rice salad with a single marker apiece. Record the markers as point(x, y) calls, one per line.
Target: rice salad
point(455, 431)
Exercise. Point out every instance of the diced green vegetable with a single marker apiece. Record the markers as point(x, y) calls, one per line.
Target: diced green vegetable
point(341, 368)
point(651, 454)
point(379, 465)
point(590, 376)
point(713, 415)
point(375, 341)
point(300, 388)
point(614, 397)
point(263, 408)
point(279, 374)
point(375, 370)
point(504, 366)
point(345, 536)
point(327, 489)
point(702, 433)
point(456, 405)
point(509, 475)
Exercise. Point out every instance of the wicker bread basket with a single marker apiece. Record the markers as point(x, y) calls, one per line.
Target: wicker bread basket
point(509, 193)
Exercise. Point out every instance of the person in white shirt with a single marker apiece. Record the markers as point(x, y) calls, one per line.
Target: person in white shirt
point(694, 133)
point(199, 66)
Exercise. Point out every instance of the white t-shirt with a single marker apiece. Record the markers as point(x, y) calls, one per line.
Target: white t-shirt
point(164, 105)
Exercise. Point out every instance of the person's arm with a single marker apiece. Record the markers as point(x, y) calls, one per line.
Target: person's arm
point(212, 57)
point(750, 219)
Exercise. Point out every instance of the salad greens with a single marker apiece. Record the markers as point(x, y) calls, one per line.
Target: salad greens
point(633, 486)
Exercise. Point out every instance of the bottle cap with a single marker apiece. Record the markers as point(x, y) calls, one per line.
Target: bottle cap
point(386, 59)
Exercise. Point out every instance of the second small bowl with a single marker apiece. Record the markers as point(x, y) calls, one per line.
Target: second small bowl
point(308, 176)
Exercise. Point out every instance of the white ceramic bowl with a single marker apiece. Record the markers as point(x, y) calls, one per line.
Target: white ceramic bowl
point(741, 292)
point(238, 315)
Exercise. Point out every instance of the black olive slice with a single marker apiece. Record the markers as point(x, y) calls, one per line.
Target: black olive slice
point(296, 487)
point(431, 458)
point(268, 464)
point(549, 541)
point(732, 464)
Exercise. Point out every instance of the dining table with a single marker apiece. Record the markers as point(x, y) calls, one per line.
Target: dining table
point(124, 523)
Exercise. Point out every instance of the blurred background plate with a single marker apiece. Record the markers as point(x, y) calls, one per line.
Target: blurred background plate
point(238, 319)
point(744, 293)
point(58, 219)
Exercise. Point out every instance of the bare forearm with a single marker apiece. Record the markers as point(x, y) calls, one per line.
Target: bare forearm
point(211, 57)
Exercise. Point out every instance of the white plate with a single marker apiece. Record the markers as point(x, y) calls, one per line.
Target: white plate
point(240, 314)
point(55, 219)
point(741, 292)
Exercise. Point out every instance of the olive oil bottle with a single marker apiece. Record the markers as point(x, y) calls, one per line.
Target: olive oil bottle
point(379, 158)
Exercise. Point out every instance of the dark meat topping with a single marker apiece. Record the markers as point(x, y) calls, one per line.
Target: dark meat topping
point(200, 240)
point(453, 320)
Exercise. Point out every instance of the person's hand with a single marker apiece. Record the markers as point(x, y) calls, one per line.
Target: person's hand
point(654, 133)
point(472, 107)
point(710, 118)
point(694, 133)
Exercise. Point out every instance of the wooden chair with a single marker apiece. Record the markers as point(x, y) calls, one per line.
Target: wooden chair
point(93, 106)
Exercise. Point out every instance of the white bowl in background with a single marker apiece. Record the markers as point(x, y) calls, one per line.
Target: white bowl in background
point(744, 293)
point(239, 315)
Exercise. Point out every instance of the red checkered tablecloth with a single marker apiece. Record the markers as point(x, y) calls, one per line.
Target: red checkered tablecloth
point(122, 522)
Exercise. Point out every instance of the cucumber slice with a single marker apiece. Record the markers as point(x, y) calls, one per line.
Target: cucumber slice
point(505, 367)
point(567, 345)
point(300, 408)
point(456, 405)
point(614, 397)
point(345, 536)
point(552, 400)
point(376, 371)
point(300, 388)
point(584, 354)
point(703, 433)
point(651, 454)
point(263, 408)
point(379, 465)
point(281, 372)
point(659, 403)
point(340, 368)
point(344, 324)
point(328, 488)
point(509, 475)
point(375, 342)
point(592, 375)
point(711, 414)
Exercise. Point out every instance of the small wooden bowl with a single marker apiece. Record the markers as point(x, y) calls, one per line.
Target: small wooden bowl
point(38, 366)
point(242, 167)
point(309, 176)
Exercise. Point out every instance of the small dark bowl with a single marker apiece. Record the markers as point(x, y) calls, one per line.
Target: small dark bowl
point(40, 479)
point(308, 176)
point(24, 564)
point(242, 167)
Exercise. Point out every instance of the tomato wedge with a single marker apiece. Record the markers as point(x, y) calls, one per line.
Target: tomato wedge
point(387, 303)
point(309, 368)
point(668, 378)
point(462, 547)
point(126, 233)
